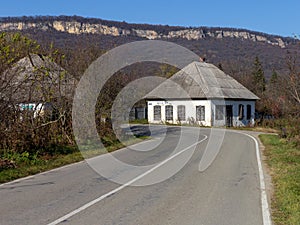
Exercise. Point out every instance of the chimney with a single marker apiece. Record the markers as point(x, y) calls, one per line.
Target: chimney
point(202, 59)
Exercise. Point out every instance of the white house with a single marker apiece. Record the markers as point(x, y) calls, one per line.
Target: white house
point(35, 83)
point(36, 109)
point(201, 94)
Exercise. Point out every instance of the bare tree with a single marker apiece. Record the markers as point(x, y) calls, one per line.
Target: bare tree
point(35, 96)
point(293, 78)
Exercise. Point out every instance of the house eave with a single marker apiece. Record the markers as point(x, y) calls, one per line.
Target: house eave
point(189, 99)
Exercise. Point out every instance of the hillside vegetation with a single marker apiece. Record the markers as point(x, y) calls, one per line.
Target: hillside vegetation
point(235, 49)
point(270, 70)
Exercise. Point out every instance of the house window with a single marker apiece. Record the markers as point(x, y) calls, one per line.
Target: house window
point(241, 111)
point(248, 112)
point(219, 112)
point(157, 112)
point(169, 112)
point(200, 113)
point(181, 112)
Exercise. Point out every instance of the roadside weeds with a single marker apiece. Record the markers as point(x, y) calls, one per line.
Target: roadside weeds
point(27, 164)
point(283, 161)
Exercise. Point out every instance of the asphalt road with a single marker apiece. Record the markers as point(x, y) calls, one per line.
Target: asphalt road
point(227, 192)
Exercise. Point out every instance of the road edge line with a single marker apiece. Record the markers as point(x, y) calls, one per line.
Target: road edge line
point(264, 200)
point(60, 167)
point(41, 173)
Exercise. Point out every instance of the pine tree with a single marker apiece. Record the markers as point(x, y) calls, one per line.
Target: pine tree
point(259, 80)
point(274, 77)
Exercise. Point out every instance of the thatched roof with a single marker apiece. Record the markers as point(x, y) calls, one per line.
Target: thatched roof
point(200, 80)
point(36, 78)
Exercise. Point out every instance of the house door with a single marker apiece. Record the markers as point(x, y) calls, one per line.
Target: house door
point(229, 115)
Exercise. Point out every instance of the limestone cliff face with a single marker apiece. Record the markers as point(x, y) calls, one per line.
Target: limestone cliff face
point(74, 27)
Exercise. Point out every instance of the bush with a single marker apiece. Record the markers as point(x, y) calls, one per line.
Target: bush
point(289, 128)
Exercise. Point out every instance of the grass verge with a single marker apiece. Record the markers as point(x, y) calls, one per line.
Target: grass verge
point(25, 167)
point(28, 164)
point(283, 159)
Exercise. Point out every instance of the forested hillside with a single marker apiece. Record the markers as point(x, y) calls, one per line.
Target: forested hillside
point(234, 49)
point(266, 64)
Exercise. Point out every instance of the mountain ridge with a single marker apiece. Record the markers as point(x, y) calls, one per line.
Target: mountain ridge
point(231, 49)
point(81, 25)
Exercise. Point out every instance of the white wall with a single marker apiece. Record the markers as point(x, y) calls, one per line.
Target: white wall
point(236, 122)
point(190, 114)
point(38, 109)
point(210, 108)
point(244, 121)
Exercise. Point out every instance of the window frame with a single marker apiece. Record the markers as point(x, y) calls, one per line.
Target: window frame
point(219, 112)
point(169, 115)
point(181, 113)
point(249, 109)
point(156, 115)
point(241, 111)
point(200, 113)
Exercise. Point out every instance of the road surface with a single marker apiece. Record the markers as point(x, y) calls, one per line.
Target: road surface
point(227, 192)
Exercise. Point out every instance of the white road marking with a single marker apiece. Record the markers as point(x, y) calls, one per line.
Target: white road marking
point(42, 173)
point(87, 205)
point(264, 202)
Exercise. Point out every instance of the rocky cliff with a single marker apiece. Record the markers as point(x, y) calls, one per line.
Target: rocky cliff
point(76, 27)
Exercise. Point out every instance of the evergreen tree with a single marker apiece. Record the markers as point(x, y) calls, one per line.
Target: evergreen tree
point(274, 78)
point(259, 80)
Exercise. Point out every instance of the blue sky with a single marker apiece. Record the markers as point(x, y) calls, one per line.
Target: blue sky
point(272, 17)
